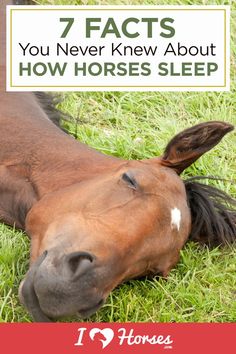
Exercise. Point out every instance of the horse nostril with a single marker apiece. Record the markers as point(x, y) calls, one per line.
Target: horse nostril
point(78, 263)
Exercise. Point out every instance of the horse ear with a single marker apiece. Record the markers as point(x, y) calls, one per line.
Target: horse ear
point(187, 146)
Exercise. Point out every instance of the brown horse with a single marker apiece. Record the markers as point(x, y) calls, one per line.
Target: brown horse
point(94, 220)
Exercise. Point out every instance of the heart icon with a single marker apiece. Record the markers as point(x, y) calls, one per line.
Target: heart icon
point(106, 338)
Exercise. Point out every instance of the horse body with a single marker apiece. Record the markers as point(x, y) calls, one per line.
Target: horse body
point(26, 130)
point(94, 220)
point(38, 133)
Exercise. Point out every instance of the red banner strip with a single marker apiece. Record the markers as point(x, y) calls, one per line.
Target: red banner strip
point(76, 338)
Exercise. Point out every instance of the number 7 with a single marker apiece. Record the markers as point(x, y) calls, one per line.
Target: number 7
point(70, 22)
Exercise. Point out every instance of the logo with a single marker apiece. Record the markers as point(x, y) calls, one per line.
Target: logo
point(122, 337)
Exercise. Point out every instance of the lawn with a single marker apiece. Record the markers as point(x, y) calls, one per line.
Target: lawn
point(202, 288)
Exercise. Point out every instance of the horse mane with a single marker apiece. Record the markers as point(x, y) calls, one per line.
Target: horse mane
point(48, 103)
point(213, 213)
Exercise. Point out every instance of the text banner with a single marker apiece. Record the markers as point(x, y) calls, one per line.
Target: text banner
point(98, 48)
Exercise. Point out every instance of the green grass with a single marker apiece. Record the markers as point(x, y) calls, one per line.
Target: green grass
point(137, 125)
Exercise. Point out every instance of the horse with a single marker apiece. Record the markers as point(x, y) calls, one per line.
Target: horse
point(95, 221)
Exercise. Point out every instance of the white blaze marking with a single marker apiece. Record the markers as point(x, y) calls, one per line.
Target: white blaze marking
point(175, 218)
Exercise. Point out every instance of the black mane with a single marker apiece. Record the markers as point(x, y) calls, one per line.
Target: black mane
point(213, 213)
point(49, 103)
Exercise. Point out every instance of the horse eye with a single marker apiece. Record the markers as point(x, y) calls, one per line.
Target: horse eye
point(130, 180)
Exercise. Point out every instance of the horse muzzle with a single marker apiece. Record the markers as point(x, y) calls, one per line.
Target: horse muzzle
point(58, 286)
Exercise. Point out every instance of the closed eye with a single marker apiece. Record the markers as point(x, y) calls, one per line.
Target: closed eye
point(130, 180)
